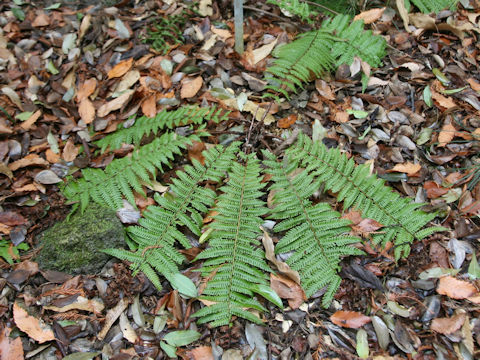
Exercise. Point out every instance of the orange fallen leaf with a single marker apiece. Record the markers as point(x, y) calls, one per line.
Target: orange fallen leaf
point(41, 19)
point(370, 16)
point(86, 110)
point(475, 85)
point(287, 289)
point(324, 90)
point(10, 348)
point(288, 121)
point(51, 156)
point(349, 319)
point(27, 124)
point(454, 288)
point(86, 89)
point(115, 104)
point(191, 87)
point(120, 69)
point(341, 117)
point(202, 353)
point(409, 168)
point(366, 226)
point(447, 325)
point(35, 328)
point(434, 190)
point(443, 101)
point(195, 151)
point(149, 106)
point(446, 134)
point(70, 151)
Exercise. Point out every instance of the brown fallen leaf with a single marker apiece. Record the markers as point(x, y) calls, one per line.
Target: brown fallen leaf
point(366, 226)
point(349, 319)
point(70, 151)
point(190, 87)
point(111, 317)
point(341, 117)
point(149, 106)
point(475, 85)
point(370, 16)
point(51, 156)
point(27, 124)
point(10, 348)
point(195, 151)
point(288, 121)
point(86, 89)
point(29, 160)
point(454, 288)
point(80, 303)
point(120, 69)
point(11, 218)
point(282, 267)
point(446, 134)
point(409, 168)
point(202, 353)
point(447, 325)
point(443, 101)
point(35, 328)
point(287, 289)
point(86, 110)
point(324, 90)
point(41, 20)
point(115, 104)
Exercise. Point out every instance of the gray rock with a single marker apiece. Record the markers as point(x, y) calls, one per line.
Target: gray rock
point(73, 246)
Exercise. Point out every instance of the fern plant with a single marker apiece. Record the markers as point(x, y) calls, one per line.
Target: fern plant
point(402, 220)
point(316, 52)
point(306, 11)
point(428, 6)
point(166, 32)
point(123, 176)
point(316, 234)
point(235, 266)
point(157, 232)
point(165, 119)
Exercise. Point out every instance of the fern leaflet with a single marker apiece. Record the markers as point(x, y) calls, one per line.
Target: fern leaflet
point(428, 6)
point(122, 176)
point(354, 185)
point(235, 268)
point(158, 229)
point(145, 126)
point(316, 234)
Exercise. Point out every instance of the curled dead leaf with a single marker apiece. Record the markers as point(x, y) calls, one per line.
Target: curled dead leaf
point(349, 319)
point(370, 16)
point(447, 325)
point(454, 288)
point(191, 87)
point(409, 168)
point(35, 328)
point(120, 69)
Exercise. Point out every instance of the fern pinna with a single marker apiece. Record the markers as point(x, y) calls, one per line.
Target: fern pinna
point(235, 266)
point(158, 230)
point(316, 234)
point(428, 6)
point(165, 119)
point(337, 42)
point(354, 185)
point(122, 176)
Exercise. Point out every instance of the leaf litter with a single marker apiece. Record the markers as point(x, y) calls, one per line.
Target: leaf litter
point(71, 74)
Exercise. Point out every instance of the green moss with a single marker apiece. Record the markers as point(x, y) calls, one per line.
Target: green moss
point(74, 246)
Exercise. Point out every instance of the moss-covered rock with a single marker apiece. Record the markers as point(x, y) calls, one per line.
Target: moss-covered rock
point(73, 246)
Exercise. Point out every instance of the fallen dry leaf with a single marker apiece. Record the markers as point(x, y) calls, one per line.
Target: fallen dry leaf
point(349, 319)
point(51, 156)
point(29, 160)
point(454, 288)
point(35, 328)
point(443, 101)
point(70, 151)
point(10, 348)
point(115, 104)
point(324, 90)
point(191, 87)
point(86, 89)
point(447, 325)
point(86, 110)
point(288, 121)
point(282, 267)
point(366, 226)
point(370, 16)
point(80, 303)
point(202, 353)
point(149, 106)
point(446, 134)
point(27, 124)
point(261, 53)
point(41, 20)
point(475, 85)
point(120, 69)
point(287, 289)
point(11, 218)
point(112, 316)
point(409, 168)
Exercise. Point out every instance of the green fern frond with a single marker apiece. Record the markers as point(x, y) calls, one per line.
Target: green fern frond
point(123, 176)
point(296, 7)
point(337, 42)
point(357, 188)
point(306, 11)
point(234, 266)
point(158, 231)
point(167, 31)
point(316, 234)
point(428, 6)
point(165, 119)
